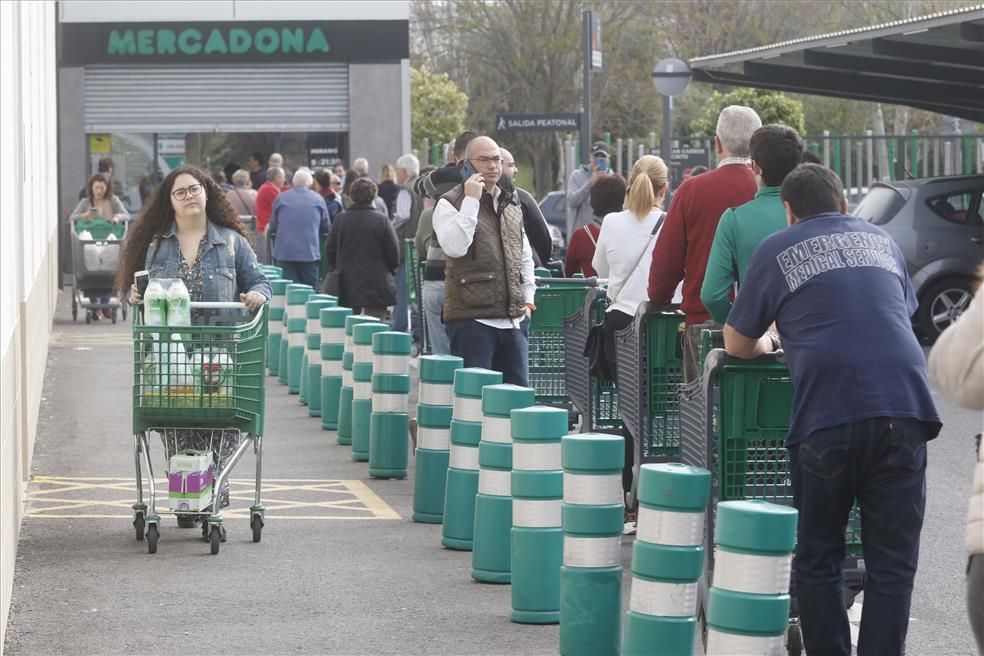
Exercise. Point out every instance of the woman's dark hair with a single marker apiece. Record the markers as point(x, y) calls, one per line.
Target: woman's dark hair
point(363, 190)
point(229, 169)
point(323, 178)
point(812, 189)
point(93, 179)
point(608, 194)
point(350, 177)
point(810, 158)
point(777, 149)
point(157, 216)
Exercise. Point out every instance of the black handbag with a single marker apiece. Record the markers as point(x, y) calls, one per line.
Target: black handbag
point(331, 283)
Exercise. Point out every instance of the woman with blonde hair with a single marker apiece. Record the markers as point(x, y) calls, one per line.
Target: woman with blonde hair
point(623, 255)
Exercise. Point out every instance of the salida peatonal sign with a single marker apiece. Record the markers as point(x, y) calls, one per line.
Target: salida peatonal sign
point(537, 122)
point(244, 41)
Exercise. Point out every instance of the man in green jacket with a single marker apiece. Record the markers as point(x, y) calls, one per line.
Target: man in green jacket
point(775, 151)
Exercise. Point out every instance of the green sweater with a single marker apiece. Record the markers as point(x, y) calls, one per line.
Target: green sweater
point(739, 232)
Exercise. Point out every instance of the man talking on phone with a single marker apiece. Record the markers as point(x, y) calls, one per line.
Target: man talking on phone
point(489, 288)
point(579, 184)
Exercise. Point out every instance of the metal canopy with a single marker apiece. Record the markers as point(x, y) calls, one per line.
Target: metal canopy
point(933, 62)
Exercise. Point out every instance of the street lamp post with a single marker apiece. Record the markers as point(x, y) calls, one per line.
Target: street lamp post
point(671, 77)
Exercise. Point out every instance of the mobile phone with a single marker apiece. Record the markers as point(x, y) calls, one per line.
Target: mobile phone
point(467, 170)
point(141, 279)
point(602, 164)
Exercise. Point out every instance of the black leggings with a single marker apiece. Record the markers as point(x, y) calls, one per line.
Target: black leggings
point(615, 320)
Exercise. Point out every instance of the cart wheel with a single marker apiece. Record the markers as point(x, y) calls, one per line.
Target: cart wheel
point(215, 538)
point(794, 640)
point(139, 525)
point(256, 523)
point(114, 317)
point(153, 535)
point(75, 309)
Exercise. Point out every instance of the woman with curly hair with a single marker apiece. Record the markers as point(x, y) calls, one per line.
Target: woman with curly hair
point(188, 230)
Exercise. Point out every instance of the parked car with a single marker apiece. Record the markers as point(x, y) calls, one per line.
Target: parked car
point(938, 224)
point(554, 208)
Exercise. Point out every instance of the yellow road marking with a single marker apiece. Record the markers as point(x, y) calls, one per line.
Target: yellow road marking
point(379, 507)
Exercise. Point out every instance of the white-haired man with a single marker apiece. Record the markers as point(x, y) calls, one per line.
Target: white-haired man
point(361, 167)
point(299, 216)
point(684, 244)
point(405, 219)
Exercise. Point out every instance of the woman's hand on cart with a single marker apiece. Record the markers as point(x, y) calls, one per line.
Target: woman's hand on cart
point(253, 300)
point(135, 297)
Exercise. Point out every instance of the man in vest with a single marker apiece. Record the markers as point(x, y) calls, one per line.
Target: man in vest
point(405, 219)
point(489, 285)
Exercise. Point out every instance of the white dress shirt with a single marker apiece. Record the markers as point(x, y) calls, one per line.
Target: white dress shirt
point(455, 230)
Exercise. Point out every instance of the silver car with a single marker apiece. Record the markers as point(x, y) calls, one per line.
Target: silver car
point(938, 224)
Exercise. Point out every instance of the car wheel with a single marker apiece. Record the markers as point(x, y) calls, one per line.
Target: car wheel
point(941, 304)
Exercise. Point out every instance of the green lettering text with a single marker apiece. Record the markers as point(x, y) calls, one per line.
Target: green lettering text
point(215, 43)
point(292, 40)
point(122, 44)
point(239, 41)
point(317, 42)
point(166, 41)
point(145, 42)
point(267, 40)
point(190, 41)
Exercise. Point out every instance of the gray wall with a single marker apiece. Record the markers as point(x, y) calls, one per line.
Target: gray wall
point(378, 120)
point(72, 163)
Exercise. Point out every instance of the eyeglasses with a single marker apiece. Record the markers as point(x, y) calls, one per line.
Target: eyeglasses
point(185, 192)
point(487, 160)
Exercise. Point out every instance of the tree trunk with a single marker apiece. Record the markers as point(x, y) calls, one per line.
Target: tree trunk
point(881, 145)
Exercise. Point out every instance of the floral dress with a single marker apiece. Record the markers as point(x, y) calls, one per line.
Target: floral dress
point(222, 443)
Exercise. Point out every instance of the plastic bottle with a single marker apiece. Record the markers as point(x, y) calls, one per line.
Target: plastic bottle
point(178, 304)
point(155, 304)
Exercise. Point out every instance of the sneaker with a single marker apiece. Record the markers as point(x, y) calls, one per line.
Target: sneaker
point(413, 432)
point(629, 528)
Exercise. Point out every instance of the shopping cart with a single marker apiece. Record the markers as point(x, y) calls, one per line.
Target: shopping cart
point(94, 263)
point(203, 382)
point(556, 298)
point(733, 422)
point(415, 299)
point(595, 400)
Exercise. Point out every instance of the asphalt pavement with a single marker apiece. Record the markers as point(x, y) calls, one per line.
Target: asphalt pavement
point(341, 568)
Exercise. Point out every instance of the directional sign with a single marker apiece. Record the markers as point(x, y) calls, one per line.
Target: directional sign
point(537, 122)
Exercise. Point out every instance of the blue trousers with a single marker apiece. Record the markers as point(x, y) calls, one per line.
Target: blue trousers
point(433, 293)
point(499, 349)
point(881, 463)
point(305, 273)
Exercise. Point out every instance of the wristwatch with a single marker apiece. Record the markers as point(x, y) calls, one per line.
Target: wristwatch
point(776, 342)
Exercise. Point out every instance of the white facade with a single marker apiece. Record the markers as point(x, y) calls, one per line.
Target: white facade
point(28, 252)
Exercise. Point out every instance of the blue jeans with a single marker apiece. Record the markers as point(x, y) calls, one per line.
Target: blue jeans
point(305, 273)
point(400, 310)
point(433, 297)
point(499, 349)
point(881, 463)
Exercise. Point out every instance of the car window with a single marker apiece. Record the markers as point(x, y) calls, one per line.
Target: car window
point(880, 205)
point(953, 207)
point(560, 203)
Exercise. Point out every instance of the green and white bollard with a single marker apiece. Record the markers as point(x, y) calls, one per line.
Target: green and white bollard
point(278, 305)
point(345, 394)
point(362, 386)
point(593, 519)
point(435, 396)
point(296, 326)
point(667, 559)
point(493, 503)
point(332, 347)
point(282, 355)
point(537, 540)
point(748, 606)
point(466, 434)
point(311, 365)
point(272, 271)
point(389, 425)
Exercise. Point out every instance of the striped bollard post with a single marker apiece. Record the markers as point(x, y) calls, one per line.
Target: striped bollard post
point(332, 348)
point(537, 544)
point(493, 503)
point(290, 365)
point(667, 559)
point(311, 363)
point(593, 519)
point(466, 434)
point(362, 386)
point(278, 305)
point(434, 408)
point(345, 393)
point(748, 605)
point(281, 356)
point(389, 424)
point(272, 270)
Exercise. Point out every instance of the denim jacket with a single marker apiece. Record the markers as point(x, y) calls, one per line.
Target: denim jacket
point(229, 266)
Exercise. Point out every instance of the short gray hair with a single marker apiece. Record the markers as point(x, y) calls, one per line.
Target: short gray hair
point(276, 159)
point(303, 178)
point(409, 163)
point(273, 173)
point(240, 178)
point(735, 127)
point(361, 166)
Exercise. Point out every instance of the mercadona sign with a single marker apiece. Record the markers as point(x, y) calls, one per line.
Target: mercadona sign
point(228, 41)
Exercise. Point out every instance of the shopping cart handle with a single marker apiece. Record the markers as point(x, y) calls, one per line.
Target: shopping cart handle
point(586, 282)
point(218, 305)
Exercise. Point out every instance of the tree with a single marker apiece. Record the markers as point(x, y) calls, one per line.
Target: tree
point(772, 107)
point(437, 107)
